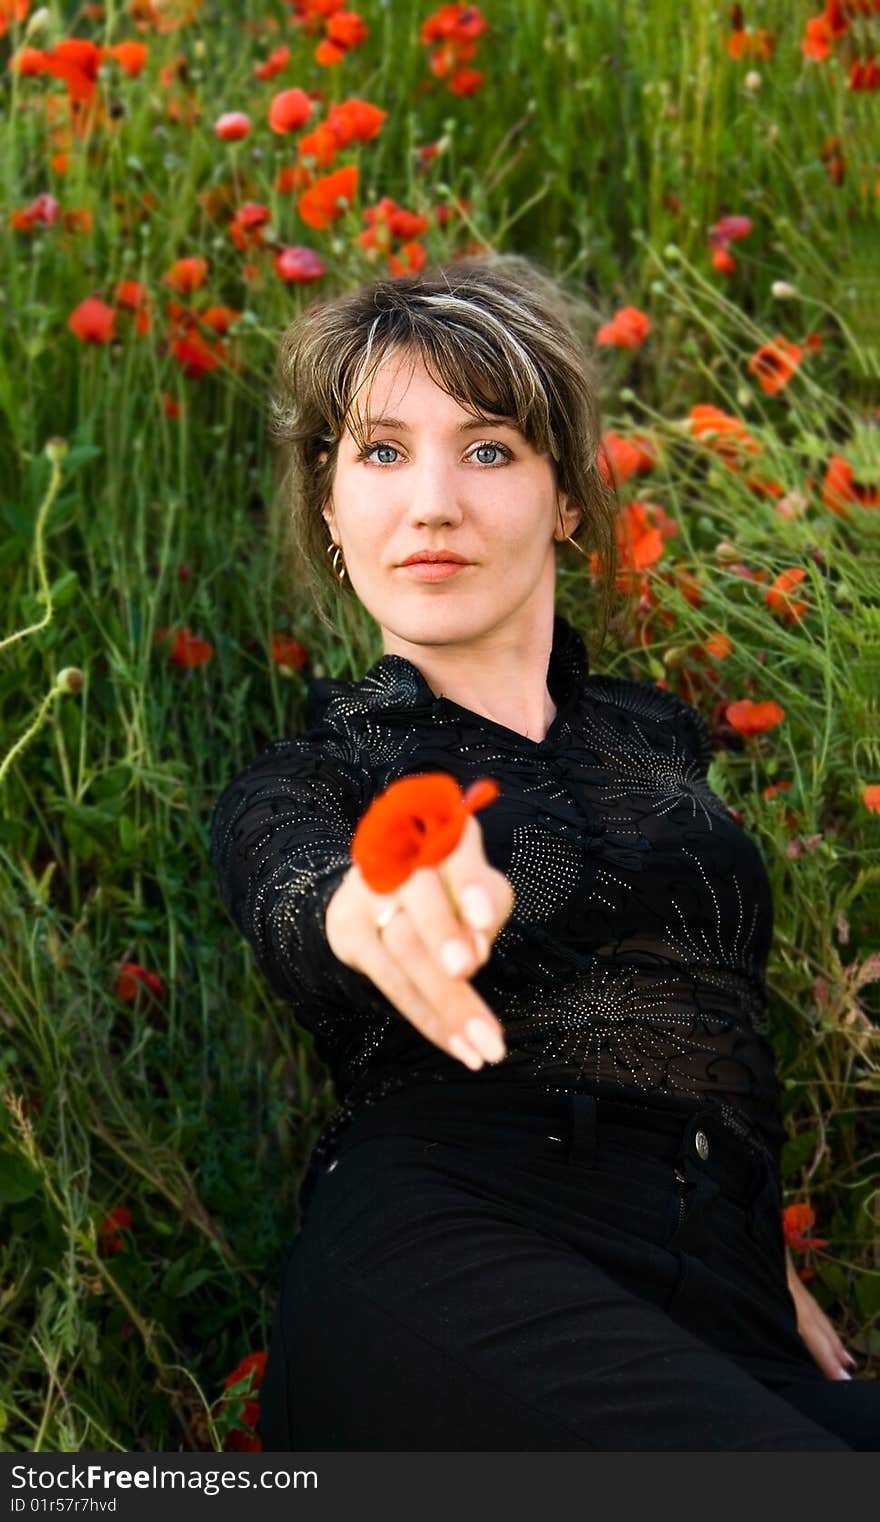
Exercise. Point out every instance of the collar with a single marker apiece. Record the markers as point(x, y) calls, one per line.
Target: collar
point(395, 684)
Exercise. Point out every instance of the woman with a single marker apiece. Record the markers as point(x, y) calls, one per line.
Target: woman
point(546, 1212)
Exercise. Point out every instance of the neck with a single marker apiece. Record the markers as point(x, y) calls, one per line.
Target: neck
point(502, 675)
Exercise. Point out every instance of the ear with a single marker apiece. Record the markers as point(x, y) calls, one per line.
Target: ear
point(570, 514)
point(329, 517)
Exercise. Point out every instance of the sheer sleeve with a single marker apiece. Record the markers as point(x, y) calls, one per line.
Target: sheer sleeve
point(280, 846)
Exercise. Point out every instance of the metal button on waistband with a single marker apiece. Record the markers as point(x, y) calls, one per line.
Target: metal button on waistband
point(701, 1142)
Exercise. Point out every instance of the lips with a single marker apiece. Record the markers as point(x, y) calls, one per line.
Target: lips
point(430, 558)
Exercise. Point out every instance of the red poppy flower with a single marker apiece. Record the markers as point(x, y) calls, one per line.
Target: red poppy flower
point(299, 263)
point(779, 600)
point(289, 110)
point(186, 275)
point(244, 1439)
point(288, 654)
point(775, 363)
point(130, 978)
point(131, 56)
point(188, 650)
point(276, 63)
point(355, 119)
point(722, 432)
point(131, 294)
point(416, 822)
point(627, 329)
point(232, 126)
point(12, 11)
point(319, 205)
point(840, 487)
point(753, 718)
point(466, 81)
point(43, 209)
point(620, 458)
point(92, 321)
point(796, 1221)
point(110, 1239)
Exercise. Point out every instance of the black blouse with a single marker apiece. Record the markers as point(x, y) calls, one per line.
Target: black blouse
point(634, 959)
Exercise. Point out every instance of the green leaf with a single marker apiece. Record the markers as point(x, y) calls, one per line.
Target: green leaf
point(797, 1150)
point(18, 1180)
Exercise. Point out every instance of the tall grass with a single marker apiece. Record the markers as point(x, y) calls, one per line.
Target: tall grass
point(606, 140)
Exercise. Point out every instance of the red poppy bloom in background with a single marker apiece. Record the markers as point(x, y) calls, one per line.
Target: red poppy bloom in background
point(621, 458)
point(796, 1221)
point(753, 718)
point(110, 1238)
point(131, 294)
point(232, 126)
point(131, 56)
point(722, 432)
point(12, 11)
point(244, 1439)
point(627, 329)
point(775, 363)
point(93, 321)
point(276, 63)
point(188, 650)
point(186, 275)
point(298, 263)
point(416, 822)
point(778, 599)
point(840, 487)
point(288, 654)
point(132, 976)
point(290, 110)
point(319, 205)
point(43, 209)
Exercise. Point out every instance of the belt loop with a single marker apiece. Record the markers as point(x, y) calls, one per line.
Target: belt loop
point(582, 1144)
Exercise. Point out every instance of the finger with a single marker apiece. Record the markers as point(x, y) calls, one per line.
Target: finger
point(455, 947)
point(458, 1006)
point(383, 969)
point(468, 878)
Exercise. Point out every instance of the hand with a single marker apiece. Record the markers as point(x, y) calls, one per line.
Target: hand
point(406, 959)
point(815, 1330)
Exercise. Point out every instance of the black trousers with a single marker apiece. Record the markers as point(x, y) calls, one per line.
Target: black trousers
point(508, 1271)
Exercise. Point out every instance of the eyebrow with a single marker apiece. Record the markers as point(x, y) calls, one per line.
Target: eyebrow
point(469, 427)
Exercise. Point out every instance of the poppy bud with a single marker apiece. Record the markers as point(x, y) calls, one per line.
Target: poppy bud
point(70, 681)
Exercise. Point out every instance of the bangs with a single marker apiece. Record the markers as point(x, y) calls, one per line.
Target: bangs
point(476, 362)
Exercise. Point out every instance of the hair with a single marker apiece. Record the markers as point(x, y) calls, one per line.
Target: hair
point(499, 334)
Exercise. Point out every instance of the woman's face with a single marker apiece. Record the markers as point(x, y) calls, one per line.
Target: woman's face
point(433, 478)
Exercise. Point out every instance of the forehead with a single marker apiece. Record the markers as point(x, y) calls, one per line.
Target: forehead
point(402, 392)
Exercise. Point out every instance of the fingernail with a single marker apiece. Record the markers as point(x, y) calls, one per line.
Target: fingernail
point(485, 1039)
point(476, 905)
point(844, 1374)
point(455, 957)
point(849, 1358)
point(466, 1054)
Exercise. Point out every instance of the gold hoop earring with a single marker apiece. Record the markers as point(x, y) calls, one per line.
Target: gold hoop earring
point(335, 550)
point(568, 540)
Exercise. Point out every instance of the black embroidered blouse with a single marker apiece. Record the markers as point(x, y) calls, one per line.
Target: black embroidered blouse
point(634, 959)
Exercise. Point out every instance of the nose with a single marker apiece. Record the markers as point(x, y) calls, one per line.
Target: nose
point(434, 493)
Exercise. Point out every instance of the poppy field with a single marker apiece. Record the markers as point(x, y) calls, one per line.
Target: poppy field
point(181, 177)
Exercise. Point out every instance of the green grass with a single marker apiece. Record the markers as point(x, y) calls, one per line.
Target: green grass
point(606, 140)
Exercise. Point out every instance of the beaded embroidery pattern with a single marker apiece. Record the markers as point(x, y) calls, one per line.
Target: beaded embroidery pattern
point(635, 955)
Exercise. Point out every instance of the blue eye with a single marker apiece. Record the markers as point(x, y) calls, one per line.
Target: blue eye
point(365, 454)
